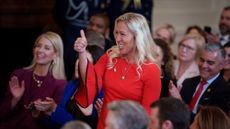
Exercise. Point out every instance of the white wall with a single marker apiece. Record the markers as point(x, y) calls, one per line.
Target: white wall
point(183, 13)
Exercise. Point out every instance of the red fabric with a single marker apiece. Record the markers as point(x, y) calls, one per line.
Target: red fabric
point(197, 94)
point(144, 89)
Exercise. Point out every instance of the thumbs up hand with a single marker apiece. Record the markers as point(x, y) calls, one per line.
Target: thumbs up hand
point(80, 43)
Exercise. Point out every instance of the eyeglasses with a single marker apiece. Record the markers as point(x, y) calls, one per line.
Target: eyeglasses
point(182, 46)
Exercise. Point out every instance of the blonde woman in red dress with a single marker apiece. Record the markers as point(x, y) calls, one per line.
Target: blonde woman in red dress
point(127, 71)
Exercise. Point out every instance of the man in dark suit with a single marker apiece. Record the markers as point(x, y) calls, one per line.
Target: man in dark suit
point(224, 27)
point(215, 91)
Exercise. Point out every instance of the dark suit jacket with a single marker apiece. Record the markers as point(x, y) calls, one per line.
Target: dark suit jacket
point(217, 94)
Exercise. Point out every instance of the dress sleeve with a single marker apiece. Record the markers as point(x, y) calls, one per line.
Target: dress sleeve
point(152, 85)
point(94, 76)
point(61, 116)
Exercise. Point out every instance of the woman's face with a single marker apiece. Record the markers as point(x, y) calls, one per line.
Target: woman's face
point(44, 52)
point(187, 50)
point(163, 34)
point(194, 31)
point(159, 55)
point(125, 40)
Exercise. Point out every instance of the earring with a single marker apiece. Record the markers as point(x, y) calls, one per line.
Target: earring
point(53, 62)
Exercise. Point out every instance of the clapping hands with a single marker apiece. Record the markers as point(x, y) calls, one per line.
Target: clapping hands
point(48, 105)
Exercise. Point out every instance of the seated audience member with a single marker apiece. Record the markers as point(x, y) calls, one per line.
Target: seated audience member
point(224, 27)
point(226, 69)
point(165, 32)
point(169, 113)
point(45, 77)
point(210, 117)
point(76, 125)
point(195, 29)
point(189, 49)
point(126, 114)
point(99, 22)
point(164, 57)
point(67, 109)
point(209, 88)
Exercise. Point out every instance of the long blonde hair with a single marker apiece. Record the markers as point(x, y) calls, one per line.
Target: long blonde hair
point(57, 66)
point(144, 43)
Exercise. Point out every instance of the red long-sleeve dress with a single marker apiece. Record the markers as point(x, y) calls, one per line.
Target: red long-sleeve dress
point(144, 88)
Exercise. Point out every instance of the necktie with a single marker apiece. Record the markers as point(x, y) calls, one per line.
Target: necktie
point(197, 94)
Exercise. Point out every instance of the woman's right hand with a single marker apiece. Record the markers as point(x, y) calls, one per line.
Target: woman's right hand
point(16, 89)
point(81, 43)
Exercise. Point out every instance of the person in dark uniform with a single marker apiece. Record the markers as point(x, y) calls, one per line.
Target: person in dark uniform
point(72, 16)
point(143, 7)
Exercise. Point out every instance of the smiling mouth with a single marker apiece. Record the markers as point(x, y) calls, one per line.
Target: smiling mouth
point(120, 46)
point(204, 71)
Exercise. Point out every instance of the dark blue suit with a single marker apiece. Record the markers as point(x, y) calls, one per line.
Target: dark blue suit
point(217, 93)
point(115, 10)
point(72, 16)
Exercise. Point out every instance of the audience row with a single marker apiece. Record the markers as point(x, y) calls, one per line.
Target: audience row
point(126, 83)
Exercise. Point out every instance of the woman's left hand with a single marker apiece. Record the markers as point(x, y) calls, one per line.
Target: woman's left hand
point(174, 91)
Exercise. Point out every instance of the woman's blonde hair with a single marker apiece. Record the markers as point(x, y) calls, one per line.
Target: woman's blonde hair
point(57, 66)
point(138, 25)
